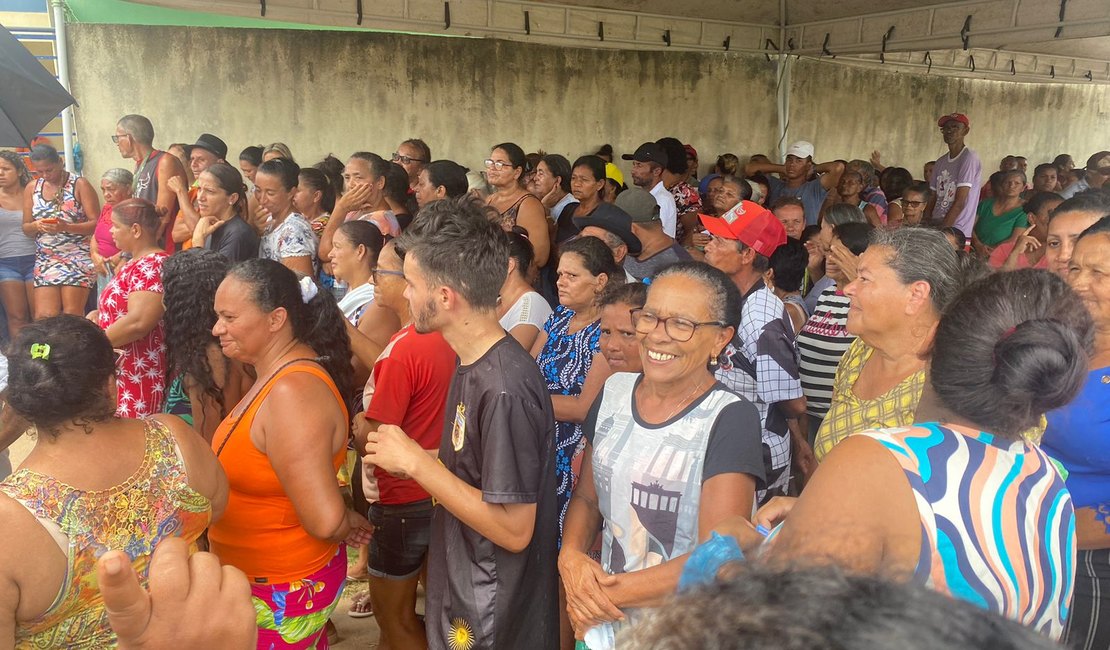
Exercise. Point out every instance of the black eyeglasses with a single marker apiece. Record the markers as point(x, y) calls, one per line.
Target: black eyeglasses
point(679, 329)
point(115, 138)
point(374, 273)
point(497, 164)
point(404, 160)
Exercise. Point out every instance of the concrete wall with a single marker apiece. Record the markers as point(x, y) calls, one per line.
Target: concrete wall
point(341, 92)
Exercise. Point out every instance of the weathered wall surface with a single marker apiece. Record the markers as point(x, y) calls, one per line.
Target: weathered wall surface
point(341, 92)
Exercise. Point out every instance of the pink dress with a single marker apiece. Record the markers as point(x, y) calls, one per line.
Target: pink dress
point(141, 369)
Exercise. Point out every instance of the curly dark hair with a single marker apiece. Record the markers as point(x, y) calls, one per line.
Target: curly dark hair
point(190, 279)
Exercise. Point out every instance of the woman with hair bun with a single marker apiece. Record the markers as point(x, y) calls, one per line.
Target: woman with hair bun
point(130, 309)
point(93, 483)
point(961, 502)
point(203, 384)
point(1076, 437)
point(281, 447)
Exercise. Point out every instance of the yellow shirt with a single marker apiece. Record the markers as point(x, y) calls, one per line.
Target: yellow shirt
point(849, 414)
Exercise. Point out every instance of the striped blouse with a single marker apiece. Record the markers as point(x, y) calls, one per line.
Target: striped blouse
point(997, 523)
point(821, 343)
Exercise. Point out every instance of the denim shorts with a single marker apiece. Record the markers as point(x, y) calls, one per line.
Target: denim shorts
point(400, 541)
point(17, 269)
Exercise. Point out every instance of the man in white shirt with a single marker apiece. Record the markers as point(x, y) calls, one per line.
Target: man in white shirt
point(647, 172)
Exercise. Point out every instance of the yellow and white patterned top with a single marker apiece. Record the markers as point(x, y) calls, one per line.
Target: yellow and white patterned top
point(849, 414)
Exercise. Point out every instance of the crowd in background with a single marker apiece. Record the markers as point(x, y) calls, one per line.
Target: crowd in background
point(549, 396)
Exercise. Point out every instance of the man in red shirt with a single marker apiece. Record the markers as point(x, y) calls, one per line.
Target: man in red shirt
point(408, 388)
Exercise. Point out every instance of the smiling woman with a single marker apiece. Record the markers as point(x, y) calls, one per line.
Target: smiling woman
point(676, 445)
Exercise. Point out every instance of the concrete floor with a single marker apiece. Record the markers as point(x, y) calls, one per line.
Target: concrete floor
point(354, 633)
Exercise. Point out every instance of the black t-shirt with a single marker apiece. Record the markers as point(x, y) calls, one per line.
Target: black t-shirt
point(235, 240)
point(498, 436)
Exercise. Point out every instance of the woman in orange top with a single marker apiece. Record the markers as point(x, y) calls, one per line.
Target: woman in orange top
point(281, 447)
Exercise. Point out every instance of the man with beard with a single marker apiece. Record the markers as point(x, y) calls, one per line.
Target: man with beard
point(491, 562)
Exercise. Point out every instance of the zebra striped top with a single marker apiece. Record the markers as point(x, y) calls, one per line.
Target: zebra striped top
point(821, 343)
point(997, 523)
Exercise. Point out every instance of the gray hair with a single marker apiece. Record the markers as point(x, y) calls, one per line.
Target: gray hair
point(138, 127)
point(279, 148)
point(118, 176)
point(839, 214)
point(723, 295)
point(924, 255)
point(865, 169)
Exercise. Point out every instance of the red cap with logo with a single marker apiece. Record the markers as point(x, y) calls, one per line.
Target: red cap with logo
point(749, 223)
point(959, 117)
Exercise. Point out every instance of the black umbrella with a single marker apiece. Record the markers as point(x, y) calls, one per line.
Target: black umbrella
point(31, 96)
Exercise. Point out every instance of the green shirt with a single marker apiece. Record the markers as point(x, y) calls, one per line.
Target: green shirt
point(993, 230)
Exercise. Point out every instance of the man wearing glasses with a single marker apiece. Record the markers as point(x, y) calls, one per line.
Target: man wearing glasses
point(154, 168)
point(761, 362)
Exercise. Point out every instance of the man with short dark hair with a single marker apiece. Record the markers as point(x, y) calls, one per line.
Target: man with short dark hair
point(796, 171)
point(761, 362)
point(134, 138)
point(956, 178)
point(648, 163)
point(657, 248)
point(407, 388)
point(492, 579)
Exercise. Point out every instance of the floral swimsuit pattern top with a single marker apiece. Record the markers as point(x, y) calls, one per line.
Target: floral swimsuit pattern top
point(154, 503)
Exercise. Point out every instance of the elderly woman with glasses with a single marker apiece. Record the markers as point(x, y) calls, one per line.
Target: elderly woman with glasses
point(414, 155)
point(671, 454)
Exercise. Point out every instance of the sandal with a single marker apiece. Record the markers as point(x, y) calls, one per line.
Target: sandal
point(360, 605)
point(362, 576)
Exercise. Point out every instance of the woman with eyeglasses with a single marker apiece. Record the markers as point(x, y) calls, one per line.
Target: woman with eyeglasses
point(412, 154)
point(506, 169)
point(670, 454)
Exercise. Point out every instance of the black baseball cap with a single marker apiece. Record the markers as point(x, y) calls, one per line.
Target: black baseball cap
point(648, 152)
point(211, 143)
point(611, 218)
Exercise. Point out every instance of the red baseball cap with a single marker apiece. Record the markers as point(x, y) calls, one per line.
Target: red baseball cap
point(749, 223)
point(959, 117)
point(691, 152)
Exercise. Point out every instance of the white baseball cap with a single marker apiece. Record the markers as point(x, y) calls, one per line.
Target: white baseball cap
point(801, 149)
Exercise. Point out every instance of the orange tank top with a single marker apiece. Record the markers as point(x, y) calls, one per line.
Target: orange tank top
point(259, 532)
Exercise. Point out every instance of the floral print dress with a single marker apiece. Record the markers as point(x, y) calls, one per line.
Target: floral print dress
point(141, 369)
point(62, 259)
point(564, 362)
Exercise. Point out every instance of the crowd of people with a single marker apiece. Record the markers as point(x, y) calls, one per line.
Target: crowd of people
point(574, 411)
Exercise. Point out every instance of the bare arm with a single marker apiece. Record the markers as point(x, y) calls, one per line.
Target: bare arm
point(187, 218)
point(525, 334)
point(356, 195)
point(829, 174)
point(300, 443)
point(1091, 532)
point(86, 196)
point(300, 264)
point(364, 348)
point(509, 525)
point(30, 227)
point(532, 218)
point(168, 166)
point(144, 310)
point(857, 512)
point(537, 347)
point(573, 408)
point(956, 208)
